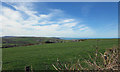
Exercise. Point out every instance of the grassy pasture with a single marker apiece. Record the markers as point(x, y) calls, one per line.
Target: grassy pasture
point(20, 41)
point(42, 56)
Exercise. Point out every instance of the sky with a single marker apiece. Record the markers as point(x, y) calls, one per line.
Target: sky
point(60, 19)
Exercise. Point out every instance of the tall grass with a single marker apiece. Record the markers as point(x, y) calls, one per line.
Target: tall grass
point(102, 61)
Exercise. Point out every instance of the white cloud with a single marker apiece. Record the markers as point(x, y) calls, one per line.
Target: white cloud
point(52, 24)
point(85, 28)
point(44, 16)
point(69, 25)
point(68, 20)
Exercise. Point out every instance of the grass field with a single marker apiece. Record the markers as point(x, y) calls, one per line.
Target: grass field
point(42, 56)
point(21, 41)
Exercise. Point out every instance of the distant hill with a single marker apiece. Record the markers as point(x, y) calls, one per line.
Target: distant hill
point(15, 41)
point(12, 41)
point(7, 36)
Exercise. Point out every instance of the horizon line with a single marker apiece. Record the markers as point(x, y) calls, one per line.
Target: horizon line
point(60, 37)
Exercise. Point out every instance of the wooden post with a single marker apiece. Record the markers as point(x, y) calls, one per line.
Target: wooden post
point(28, 69)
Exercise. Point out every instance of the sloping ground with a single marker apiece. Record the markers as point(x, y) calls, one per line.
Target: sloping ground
point(42, 57)
point(22, 41)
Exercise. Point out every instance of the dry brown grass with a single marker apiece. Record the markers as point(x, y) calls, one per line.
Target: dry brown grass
point(108, 61)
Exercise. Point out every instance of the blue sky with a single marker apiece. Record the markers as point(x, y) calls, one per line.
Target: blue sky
point(60, 19)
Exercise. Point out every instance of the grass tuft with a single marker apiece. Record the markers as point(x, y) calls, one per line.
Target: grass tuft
point(102, 61)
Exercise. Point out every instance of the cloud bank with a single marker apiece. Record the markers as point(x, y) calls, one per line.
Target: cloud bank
point(21, 19)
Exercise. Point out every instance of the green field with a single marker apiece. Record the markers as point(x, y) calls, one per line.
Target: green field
point(21, 41)
point(42, 56)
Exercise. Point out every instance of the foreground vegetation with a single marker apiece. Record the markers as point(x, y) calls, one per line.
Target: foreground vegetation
point(106, 61)
point(41, 57)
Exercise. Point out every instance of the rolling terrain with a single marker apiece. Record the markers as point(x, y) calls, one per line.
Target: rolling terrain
point(9, 41)
point(41, 57)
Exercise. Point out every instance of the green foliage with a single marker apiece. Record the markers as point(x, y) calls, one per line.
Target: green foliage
point(100, 62)
point(22, 41)
point(41, 57)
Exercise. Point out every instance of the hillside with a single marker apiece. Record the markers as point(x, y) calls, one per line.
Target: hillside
point(25, 41)
point(41, 57)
